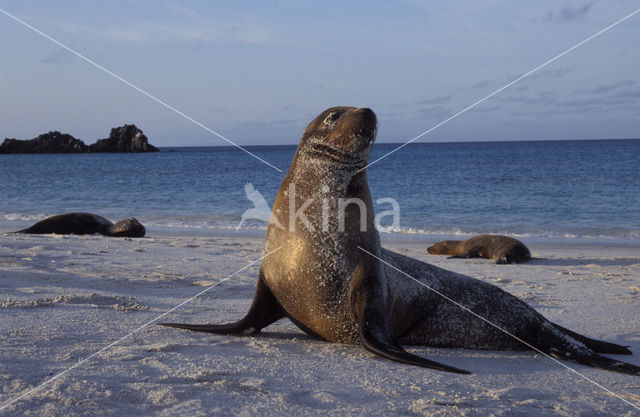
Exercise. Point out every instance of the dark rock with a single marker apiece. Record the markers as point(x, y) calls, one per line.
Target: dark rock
point(127, 138)
point(52, 142)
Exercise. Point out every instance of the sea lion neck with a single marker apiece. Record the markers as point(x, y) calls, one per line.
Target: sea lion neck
point(316, 174)
point(317, 150)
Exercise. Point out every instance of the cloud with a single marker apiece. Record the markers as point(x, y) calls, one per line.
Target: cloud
point(486, 109)
point(481, 84)
point(60, 55)
point(247, 31)
point(261, 125)
point(521, 87)
point(546, 97)
point(434, 111)
point(532, 115)
point(436, 100)
point(568, 14)
point(548, 104)
point(544, 73)
point(215, 32)
point(550, 73)
point(605, 88)
point(621, 101)
point(390, 115)
point(628, 94)
point(583, 102)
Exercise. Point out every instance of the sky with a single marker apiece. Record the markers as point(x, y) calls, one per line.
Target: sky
point(259, 72)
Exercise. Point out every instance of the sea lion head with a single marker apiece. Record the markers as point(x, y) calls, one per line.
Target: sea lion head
point(446, 247)
point(341, 134)
point(326, 171)
point(128, 228)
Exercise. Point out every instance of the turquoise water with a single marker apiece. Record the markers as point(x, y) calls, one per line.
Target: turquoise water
point(550, 189)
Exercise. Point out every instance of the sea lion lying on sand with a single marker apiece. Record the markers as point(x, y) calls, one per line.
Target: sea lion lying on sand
point(330, 276)
point(86, 224)
point(502, 249)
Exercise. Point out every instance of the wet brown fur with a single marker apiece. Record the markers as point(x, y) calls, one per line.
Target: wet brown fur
point(86, 224)
point(501, 249)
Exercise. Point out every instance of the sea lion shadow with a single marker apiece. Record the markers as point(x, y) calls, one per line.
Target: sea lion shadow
point(468, 357)
point(514, 363)
point(584, 262)
point(492, 361)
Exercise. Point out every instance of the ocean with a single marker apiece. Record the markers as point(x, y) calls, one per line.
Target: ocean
point(534, 190)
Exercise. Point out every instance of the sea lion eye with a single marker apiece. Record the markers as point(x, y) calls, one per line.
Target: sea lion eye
point(331, 117)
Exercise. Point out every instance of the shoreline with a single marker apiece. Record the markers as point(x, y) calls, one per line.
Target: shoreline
point(64, 298)
point(394, 238)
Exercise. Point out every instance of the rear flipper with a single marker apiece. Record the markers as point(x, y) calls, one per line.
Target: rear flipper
point(264, 310)
point(597, 361)
point(561, 343)
point(597, 346)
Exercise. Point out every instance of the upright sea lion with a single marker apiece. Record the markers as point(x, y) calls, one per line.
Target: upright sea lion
point(323, 271)
point(502, 249)
point(86, 224)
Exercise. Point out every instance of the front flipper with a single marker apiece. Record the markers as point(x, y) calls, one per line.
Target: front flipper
point(370, 339)
point(375, 331)
point(503, 260)
point(264, 310)
point(463, 255)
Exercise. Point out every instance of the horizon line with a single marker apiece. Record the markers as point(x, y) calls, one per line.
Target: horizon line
point(415, 143)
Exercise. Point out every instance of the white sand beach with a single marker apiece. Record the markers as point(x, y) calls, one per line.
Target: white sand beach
point(64, 298)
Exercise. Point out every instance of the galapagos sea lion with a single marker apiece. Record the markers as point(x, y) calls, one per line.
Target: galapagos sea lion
point(318, 274)
point(86, 224)
point(502, 249)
